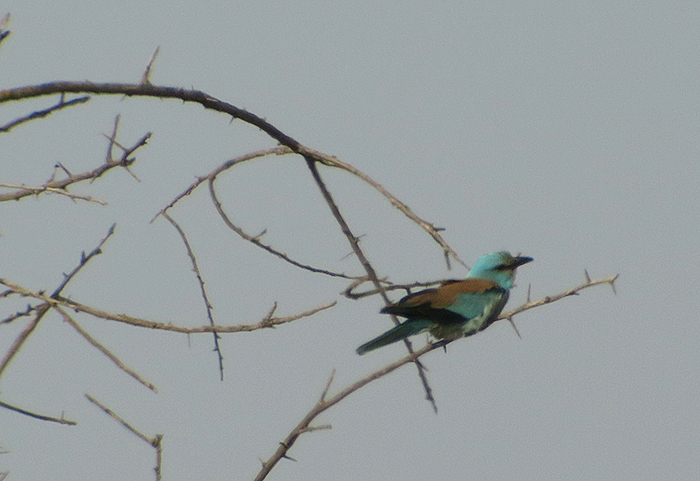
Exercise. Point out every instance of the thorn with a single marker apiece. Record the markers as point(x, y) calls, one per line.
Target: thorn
point(529, 289)
point(257, 237)
point(510, 319)
point(612, 283)
point(588, 278)
point(289, 457)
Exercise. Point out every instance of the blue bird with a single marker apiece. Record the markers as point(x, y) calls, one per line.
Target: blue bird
point(457, 308)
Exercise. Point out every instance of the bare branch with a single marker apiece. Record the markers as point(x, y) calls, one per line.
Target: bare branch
point(121, 421)
point(387, 286)
point(427, 226)
point(257, 242)
point(104, 350)
point(43, 309)
point(155, 441)
point(146, 78)
point(225, 166)
point(84, 259)
point(571, 292)
point(147, 90)
point(54, 185)
point(200, 280)
point(137, 322)
point(324, 404)
point(371, 274)
point(37, 416)
point(43, 113)
point(12, 317)
point(23, 336)
point(43, 188)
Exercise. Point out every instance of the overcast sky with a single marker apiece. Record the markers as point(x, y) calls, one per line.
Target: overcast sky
point(565, 131)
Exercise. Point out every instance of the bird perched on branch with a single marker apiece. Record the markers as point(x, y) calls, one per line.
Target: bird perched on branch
point(457, 308)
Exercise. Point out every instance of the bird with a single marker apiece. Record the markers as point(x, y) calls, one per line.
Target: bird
point(456, 308)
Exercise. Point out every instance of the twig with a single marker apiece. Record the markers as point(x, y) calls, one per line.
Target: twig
point(4, 23)
point(371, 274)
point(571, 292)
point(23, 336)
point(225, 166)
point(37, 416)
point(257, 242)
point(200, 280)
point(155, 442)
point(84, 259)
point(387, 286)
point(43, 188)
point(43, 113)
point(146, 78)
point(54, 185)
point(104, 350)
point(138, 322)
point(324, 404)
point(43, 309)
point(427, 226)
point(12, 317)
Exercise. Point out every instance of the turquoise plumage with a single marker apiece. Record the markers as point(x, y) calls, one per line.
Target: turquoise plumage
point(457, 308)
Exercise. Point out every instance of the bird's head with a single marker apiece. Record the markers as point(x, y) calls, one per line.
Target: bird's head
point(498, 267)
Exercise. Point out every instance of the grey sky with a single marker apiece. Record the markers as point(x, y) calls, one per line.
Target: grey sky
point(564, 131)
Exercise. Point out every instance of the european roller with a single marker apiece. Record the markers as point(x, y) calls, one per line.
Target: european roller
point(457, 308)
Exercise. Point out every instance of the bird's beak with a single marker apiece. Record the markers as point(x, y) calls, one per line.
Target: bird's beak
point(519, 261)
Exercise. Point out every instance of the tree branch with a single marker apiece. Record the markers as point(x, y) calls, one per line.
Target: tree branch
point(324, 404)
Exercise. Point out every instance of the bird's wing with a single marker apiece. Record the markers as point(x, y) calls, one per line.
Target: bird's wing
point(451, 303)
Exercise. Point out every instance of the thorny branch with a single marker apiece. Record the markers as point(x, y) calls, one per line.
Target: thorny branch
point(61, 186)
point(325, 403)
point(62, 104)
point(371, 274)
point(209, 102)
point(256, 240)
point(266, 322)
point(202, 289)
point(41, 310)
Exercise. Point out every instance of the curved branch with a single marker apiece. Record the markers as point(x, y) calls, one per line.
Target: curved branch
point(257, 242)
point(196, 96)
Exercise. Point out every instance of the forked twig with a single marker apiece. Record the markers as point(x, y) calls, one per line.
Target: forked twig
point(42, 310)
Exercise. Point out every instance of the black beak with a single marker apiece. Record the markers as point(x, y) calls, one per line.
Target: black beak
point(519, 261)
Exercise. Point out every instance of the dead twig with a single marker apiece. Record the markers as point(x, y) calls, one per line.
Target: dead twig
point(104, 350)
point(155, 441)
point(200, 280)
point(42, 417)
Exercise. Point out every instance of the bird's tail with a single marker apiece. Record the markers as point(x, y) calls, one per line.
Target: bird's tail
point(402, 331)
